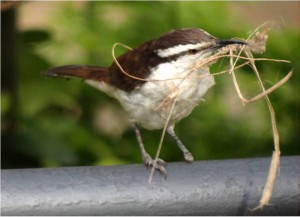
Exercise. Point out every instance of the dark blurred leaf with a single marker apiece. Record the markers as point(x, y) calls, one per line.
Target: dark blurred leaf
point(34, 36)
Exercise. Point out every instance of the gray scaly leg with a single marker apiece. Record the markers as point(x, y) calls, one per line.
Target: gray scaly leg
point(146, 157)
point(187, 155)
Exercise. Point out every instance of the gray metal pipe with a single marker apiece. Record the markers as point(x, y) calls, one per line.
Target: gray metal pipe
point(227, 187)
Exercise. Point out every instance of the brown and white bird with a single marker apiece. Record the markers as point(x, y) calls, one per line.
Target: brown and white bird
point(164, 66)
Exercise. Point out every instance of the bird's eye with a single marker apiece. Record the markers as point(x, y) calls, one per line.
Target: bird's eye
point(193, 51)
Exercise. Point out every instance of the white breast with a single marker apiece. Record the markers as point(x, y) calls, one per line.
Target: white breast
point(149, 105)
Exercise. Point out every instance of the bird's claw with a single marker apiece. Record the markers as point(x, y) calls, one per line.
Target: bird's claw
point(158, 165)
point(188, 157)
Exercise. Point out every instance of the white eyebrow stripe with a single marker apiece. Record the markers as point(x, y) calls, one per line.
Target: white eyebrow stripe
point(180, 48)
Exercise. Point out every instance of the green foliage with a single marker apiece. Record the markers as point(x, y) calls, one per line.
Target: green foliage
point(55, 121)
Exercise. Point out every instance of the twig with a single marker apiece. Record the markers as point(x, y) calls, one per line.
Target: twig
point(274, 167)
point(162, 139)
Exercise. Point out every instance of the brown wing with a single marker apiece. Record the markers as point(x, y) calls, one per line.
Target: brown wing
point(137, 63)
point(132, 63)
point(80, 71)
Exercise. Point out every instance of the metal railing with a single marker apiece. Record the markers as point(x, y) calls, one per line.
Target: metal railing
point(227, 187)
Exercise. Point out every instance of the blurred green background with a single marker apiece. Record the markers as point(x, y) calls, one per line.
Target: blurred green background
point(58, 122)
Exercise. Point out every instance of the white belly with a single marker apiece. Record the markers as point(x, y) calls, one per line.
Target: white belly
point(150, 104)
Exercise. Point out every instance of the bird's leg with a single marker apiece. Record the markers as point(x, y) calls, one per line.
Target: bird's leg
point(148, 161)
point(187, 155)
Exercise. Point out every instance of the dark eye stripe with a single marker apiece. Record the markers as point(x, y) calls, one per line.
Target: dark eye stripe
point(176, 56)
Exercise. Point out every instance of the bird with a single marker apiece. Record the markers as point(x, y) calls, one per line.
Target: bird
point(150, 78)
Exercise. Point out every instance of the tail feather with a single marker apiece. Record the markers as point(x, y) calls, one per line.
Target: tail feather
point(80, 71)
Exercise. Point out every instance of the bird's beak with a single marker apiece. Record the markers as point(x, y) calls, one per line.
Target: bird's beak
point(224, 42)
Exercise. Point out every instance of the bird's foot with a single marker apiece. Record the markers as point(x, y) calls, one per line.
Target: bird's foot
point(159, 165)
point(188, 157)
